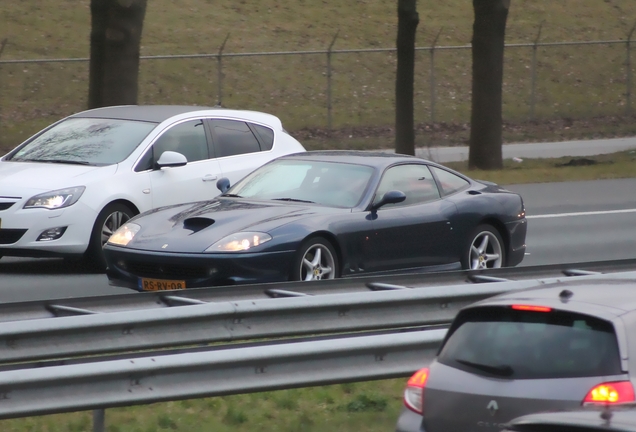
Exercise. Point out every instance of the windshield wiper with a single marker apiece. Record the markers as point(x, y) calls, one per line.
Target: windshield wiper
point(502, 370)
point(58, 161)
point(231, 195)
point(293, 199)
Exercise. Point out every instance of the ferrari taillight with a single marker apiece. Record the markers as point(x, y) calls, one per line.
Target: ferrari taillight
point(610, 393)
point(414, 392)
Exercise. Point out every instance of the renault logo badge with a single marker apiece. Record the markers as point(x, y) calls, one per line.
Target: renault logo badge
point(164, 246)
point(492, 407)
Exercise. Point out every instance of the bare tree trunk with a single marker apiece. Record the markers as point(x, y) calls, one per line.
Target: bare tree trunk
point(116, 27)
point(489, 30)
point(408, 19)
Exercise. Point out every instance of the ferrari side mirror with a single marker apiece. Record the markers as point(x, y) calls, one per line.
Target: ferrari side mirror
point(391, 197)
point(223, 184)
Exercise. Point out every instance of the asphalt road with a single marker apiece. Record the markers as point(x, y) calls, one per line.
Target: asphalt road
point(567, 222)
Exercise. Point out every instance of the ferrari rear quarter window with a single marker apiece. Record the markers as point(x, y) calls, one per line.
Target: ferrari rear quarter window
point(526, 344)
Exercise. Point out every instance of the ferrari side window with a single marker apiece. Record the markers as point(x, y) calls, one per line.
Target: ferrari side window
point(449, 182)
point(414, 180)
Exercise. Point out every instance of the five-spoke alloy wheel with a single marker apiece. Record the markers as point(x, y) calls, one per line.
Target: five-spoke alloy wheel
point(485, 249)
point(316, 260)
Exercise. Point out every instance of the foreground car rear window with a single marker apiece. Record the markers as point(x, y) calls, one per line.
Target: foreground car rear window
point(500, 341)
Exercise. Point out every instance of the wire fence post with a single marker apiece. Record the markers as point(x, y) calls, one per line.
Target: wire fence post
point(329, 106)
point(99, 419)
point(432, 75)
point(628, 63)
point(533, 91)
point(219, 70)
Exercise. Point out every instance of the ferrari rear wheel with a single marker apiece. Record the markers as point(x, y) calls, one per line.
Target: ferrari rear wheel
point(316, 260)
point(485, 249)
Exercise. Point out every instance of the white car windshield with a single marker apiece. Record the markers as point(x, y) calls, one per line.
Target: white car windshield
point(89, 141)
point(327, 183)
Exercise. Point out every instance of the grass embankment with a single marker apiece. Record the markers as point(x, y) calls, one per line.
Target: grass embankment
point(573, 82)
point(360, 407)
point(610, 166)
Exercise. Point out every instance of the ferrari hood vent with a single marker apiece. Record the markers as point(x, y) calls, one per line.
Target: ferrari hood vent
point(197, 223)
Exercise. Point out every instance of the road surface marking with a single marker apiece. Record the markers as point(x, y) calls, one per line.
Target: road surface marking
point(591, 213)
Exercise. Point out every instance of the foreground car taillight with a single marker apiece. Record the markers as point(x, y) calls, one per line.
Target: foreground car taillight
point(610, 393)
point(414, 392)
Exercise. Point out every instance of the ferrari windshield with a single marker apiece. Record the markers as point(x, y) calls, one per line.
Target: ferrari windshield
point(90, 141)
point(327, 183)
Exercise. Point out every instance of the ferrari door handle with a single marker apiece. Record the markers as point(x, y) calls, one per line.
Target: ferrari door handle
point(210, 177)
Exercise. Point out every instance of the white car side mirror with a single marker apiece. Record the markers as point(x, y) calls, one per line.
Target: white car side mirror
point(171, 159)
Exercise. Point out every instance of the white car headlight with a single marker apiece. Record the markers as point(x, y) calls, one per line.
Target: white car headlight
point(239, 242)
point(56, 199)
point(124, 234)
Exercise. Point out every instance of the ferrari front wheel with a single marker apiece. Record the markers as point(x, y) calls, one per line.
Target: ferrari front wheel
point(485, 249)
point(315, 260)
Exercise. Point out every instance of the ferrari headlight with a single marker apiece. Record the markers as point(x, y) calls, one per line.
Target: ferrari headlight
point(239, 242)
point(124, 234)
point(56, 199)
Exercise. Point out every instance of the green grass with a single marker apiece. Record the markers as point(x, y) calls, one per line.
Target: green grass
point(360, 407)
point(610, 166)
point(574, 82)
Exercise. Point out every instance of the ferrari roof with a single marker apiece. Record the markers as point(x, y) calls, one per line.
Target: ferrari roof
point(374, 158)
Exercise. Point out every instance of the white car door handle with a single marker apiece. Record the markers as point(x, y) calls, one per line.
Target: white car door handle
point(209, 177)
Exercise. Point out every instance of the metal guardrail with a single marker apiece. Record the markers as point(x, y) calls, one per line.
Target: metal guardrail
point(213, 373)
point(139, 322)
point(393, 307)
point(13, 311)
point(129, 323)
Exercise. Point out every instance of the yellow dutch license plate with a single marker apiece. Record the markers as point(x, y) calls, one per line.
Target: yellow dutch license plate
point(161, 284)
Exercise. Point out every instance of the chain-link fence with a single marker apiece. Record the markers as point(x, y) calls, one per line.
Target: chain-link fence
point(336, 88)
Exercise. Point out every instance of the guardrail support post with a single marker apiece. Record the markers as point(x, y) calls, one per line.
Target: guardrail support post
point(99, 419)
point(219, 59)
point(534, 73)
point(628, 64)
point(432, 75)
point(329, 107)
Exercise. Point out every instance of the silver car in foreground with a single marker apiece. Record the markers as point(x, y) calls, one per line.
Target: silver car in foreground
point(553, 348)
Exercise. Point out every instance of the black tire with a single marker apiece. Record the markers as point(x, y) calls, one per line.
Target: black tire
point(307, 266)
point(484, 249)
point(109, 219)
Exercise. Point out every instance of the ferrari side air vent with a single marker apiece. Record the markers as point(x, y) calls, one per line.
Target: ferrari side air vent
point(197, 223)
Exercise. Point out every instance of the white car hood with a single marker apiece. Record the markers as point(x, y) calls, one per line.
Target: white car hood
point(20, 178)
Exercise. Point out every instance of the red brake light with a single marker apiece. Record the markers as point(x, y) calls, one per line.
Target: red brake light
point(522, 307)
point(414, 392)
point(610, 393)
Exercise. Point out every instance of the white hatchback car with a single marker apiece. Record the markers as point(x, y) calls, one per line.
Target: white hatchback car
point(67, 188)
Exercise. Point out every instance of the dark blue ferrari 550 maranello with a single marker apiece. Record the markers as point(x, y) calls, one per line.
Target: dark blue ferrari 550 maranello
point(322, 215)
